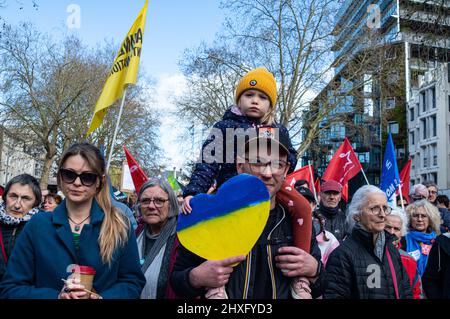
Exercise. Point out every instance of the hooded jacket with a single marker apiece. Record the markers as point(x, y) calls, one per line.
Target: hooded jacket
point(205, 173)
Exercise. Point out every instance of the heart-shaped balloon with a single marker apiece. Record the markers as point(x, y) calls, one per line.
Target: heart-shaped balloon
point(227, 223)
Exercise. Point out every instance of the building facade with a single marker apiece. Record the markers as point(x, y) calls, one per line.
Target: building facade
point(16, 158)
point(382, 50)
point(429, 128)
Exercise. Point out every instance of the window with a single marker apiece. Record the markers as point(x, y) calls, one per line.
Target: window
point(411, 114)
point(368, 107)
point(411, 137)
point(390, 103)
point(392, 78)
point(393, 127)
point(449, 100)
point(358, 119)
point(433, 126)
point(424, 128)
point(367, 83)
point(425, 157)
point(364, 157)
point(433, 97)
point(434, 154)
point(434, 177)
point(423, 98)
point(400, 152)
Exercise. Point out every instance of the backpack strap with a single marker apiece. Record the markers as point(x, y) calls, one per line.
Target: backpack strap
point(394, 277)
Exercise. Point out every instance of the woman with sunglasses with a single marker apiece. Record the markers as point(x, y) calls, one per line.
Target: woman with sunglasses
point(423, 223)
point(158, 208)
point(84, 230)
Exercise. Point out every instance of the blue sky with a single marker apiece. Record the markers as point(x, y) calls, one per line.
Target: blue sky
point(172, 26)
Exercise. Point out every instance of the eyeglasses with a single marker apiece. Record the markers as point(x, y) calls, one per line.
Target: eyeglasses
point(432, 192)
point(159, 202)
point(276, 166)
point(86, 178)
point(376, 210)
point(417, 216)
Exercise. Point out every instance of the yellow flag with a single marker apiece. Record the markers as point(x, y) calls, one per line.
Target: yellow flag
point(124, 70)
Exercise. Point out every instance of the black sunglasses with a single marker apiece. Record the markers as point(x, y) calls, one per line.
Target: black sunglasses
point(86, 178)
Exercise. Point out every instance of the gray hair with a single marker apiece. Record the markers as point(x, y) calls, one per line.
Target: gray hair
point(429, 183)
point(400, 213)
point(432, 212)
point(165, 186)
point(25, 179)
point(359, 200)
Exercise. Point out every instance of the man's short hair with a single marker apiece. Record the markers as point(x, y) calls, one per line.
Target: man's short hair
point(305, 192)
point(301, 182)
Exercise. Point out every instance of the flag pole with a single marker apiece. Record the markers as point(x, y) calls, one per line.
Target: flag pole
point(116, 130)
point(312, 181)
point(401, 195)
point(367, 181)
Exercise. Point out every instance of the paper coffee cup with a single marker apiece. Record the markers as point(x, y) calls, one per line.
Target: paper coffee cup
point(86, 275)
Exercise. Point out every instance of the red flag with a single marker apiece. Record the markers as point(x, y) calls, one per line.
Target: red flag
point(302, 173)
point(343, 166)
point(137, 174)
point(317, 185)
point(404, 180)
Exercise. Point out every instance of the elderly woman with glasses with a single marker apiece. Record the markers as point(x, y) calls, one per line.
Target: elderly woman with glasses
point(158, 207)
point(366, 265)
point(423, 222)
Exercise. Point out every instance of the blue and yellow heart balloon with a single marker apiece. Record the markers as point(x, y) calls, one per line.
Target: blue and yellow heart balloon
point(227, 223)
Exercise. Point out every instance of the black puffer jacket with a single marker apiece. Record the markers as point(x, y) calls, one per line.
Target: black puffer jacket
point(335, 222)
point(251, 279)
point(436, 279)
point(354, 271)
point(10, 233)
point(205, 173)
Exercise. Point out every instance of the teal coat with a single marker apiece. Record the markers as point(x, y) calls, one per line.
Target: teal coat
point(45, 250)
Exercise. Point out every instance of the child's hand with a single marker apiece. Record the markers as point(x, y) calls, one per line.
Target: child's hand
point(186, 208)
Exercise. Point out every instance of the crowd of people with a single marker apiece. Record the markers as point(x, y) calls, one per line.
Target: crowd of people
point(310, 247)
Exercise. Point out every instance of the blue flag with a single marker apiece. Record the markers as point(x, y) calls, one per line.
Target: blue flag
point(390, 178)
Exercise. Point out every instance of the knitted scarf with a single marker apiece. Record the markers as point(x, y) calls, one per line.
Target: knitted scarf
point(152, 262)
point(7, 219)
point(413, 241)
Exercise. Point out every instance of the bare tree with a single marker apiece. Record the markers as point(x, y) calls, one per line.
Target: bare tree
point(49, 90)
point(293, 39)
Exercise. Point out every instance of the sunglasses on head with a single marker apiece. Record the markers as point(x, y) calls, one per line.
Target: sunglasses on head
point(86, 178)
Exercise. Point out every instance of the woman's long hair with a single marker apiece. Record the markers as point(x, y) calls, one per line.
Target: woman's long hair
point(114, 229)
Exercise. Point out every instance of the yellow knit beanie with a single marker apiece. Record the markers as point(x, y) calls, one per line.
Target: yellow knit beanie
point(258, 79)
